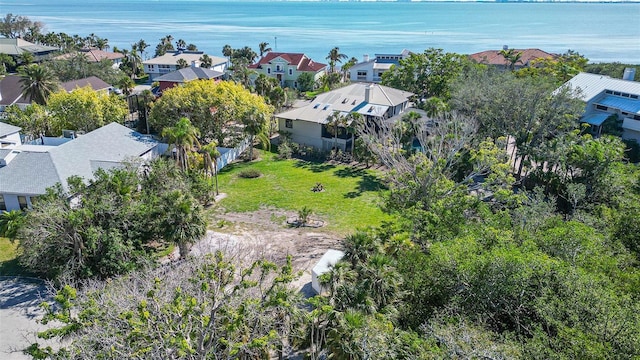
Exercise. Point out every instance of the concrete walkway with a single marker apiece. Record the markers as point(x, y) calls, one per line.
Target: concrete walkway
point(19, 309)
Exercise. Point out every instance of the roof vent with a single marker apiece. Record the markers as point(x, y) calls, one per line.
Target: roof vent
point(69, 134)
point(316, 106)
point(344, 101)
point(325, 107)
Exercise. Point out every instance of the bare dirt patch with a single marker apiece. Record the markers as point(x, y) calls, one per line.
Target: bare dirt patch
point(265, 234)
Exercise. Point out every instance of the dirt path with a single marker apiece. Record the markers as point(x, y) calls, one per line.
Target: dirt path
point(265, 233)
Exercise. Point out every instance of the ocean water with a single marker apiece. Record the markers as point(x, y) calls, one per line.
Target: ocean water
point(600, 31)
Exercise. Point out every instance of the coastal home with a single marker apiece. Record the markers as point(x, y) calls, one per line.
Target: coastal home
point(11, 93)
point(286, 67)
point(162, 65)
point(371, 70)
point(26, 171)
point(605, 96)
point(94, 55)
point(93, 82)
point(9, 137)
point(16, 47)
point(185, 75)
point(495, 57)
point(308, 124)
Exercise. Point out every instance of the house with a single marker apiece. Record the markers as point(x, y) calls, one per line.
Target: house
point(11, 93)
point(95, 55)
point(286, 67)
point(168, 62)
point(605, 96)
point(495, 58)
point(16, 47)
point(9, 137)
point(324, 265)
point(371, 70)
point(185, 75)
point(94, 82)
point(308, 124)
point(26, 171)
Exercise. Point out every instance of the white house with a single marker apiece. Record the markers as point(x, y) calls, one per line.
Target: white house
point(371, 70)
point(168, 62)
point(605, 96)
point(286, 67)
point(307, 125)
point(26, 171)
point(327, 261)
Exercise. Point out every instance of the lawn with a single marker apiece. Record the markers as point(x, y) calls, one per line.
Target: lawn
point(350, 198)
point(8, 258)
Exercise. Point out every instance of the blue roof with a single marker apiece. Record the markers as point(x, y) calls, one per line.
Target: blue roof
point(624, 104)
point(595, 119)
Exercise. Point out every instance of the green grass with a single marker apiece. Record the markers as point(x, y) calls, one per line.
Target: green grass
point(350, 198)
point(9, 258)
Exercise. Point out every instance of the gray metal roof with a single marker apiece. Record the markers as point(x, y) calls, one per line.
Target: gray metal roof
point(190, 73)
point(106, 147)
point(8, 129)
point(591, 85)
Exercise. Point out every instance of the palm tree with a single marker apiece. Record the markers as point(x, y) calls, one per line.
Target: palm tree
point(353, 121)
point(184, 223)
point(182, 64)
point(335, 57)
point(184, 136)
point(242, 74)
point(256, 124)
point(264, 48)
point(10, 222)
point(38, 82)
point(334, 121)
point(210, 153)
point(4, 61)
point(227, 51)
point(142, 46)
point(125, 84)
point(511, 56)
point(206, 61)
point(181, 44)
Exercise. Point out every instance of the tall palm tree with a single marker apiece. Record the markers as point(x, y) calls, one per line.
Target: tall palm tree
point(38, 82)
point(335, 57)
point(511, 56)
point(126, 85)
point(206, 61)
point(181, 44)
point(182, 64)
point(264, 48)
point(210, 153)
point(142, 46)
point(334, 122)
point(227, 51)
point(353, 121)
point(184, 137)
point(256, 124)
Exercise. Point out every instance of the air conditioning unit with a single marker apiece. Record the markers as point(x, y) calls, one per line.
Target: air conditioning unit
point(69, 134)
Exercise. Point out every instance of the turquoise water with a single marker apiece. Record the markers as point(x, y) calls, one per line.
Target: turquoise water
point(600, 31)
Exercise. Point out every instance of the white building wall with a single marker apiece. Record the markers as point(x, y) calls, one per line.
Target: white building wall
point(303, 132)
point(11, 201)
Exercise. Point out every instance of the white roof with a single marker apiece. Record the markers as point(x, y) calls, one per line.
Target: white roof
point(349, 99)
point(327, 261)
point(591, 85)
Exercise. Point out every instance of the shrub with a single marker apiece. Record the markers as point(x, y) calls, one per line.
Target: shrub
point(285, 151)
point(249, 174)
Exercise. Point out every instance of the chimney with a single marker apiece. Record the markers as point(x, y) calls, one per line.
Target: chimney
point(193, 64)
point(365, 57)
point(629, 74)
point(367, 92)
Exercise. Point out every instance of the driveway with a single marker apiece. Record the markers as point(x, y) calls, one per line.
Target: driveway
point(19, 300)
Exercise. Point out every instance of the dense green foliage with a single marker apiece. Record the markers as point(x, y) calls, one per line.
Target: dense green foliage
point(112, 225)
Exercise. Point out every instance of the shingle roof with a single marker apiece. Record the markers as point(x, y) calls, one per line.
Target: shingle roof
point(8, 129)
point(93, 81)
point(347, 99)
point(11, 91)
point(106, 147)
point(592, 85)
point(493, 57)
point(302, 62)
point(93, 55)
point(190, 73)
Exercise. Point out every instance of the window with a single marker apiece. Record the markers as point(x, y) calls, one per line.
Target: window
point(603, 108)
point(290, 71)
point(362, 73)
point(22, 201)
point(288, 123)
point(278, 68)
point(3, 206)
point(268, 70)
